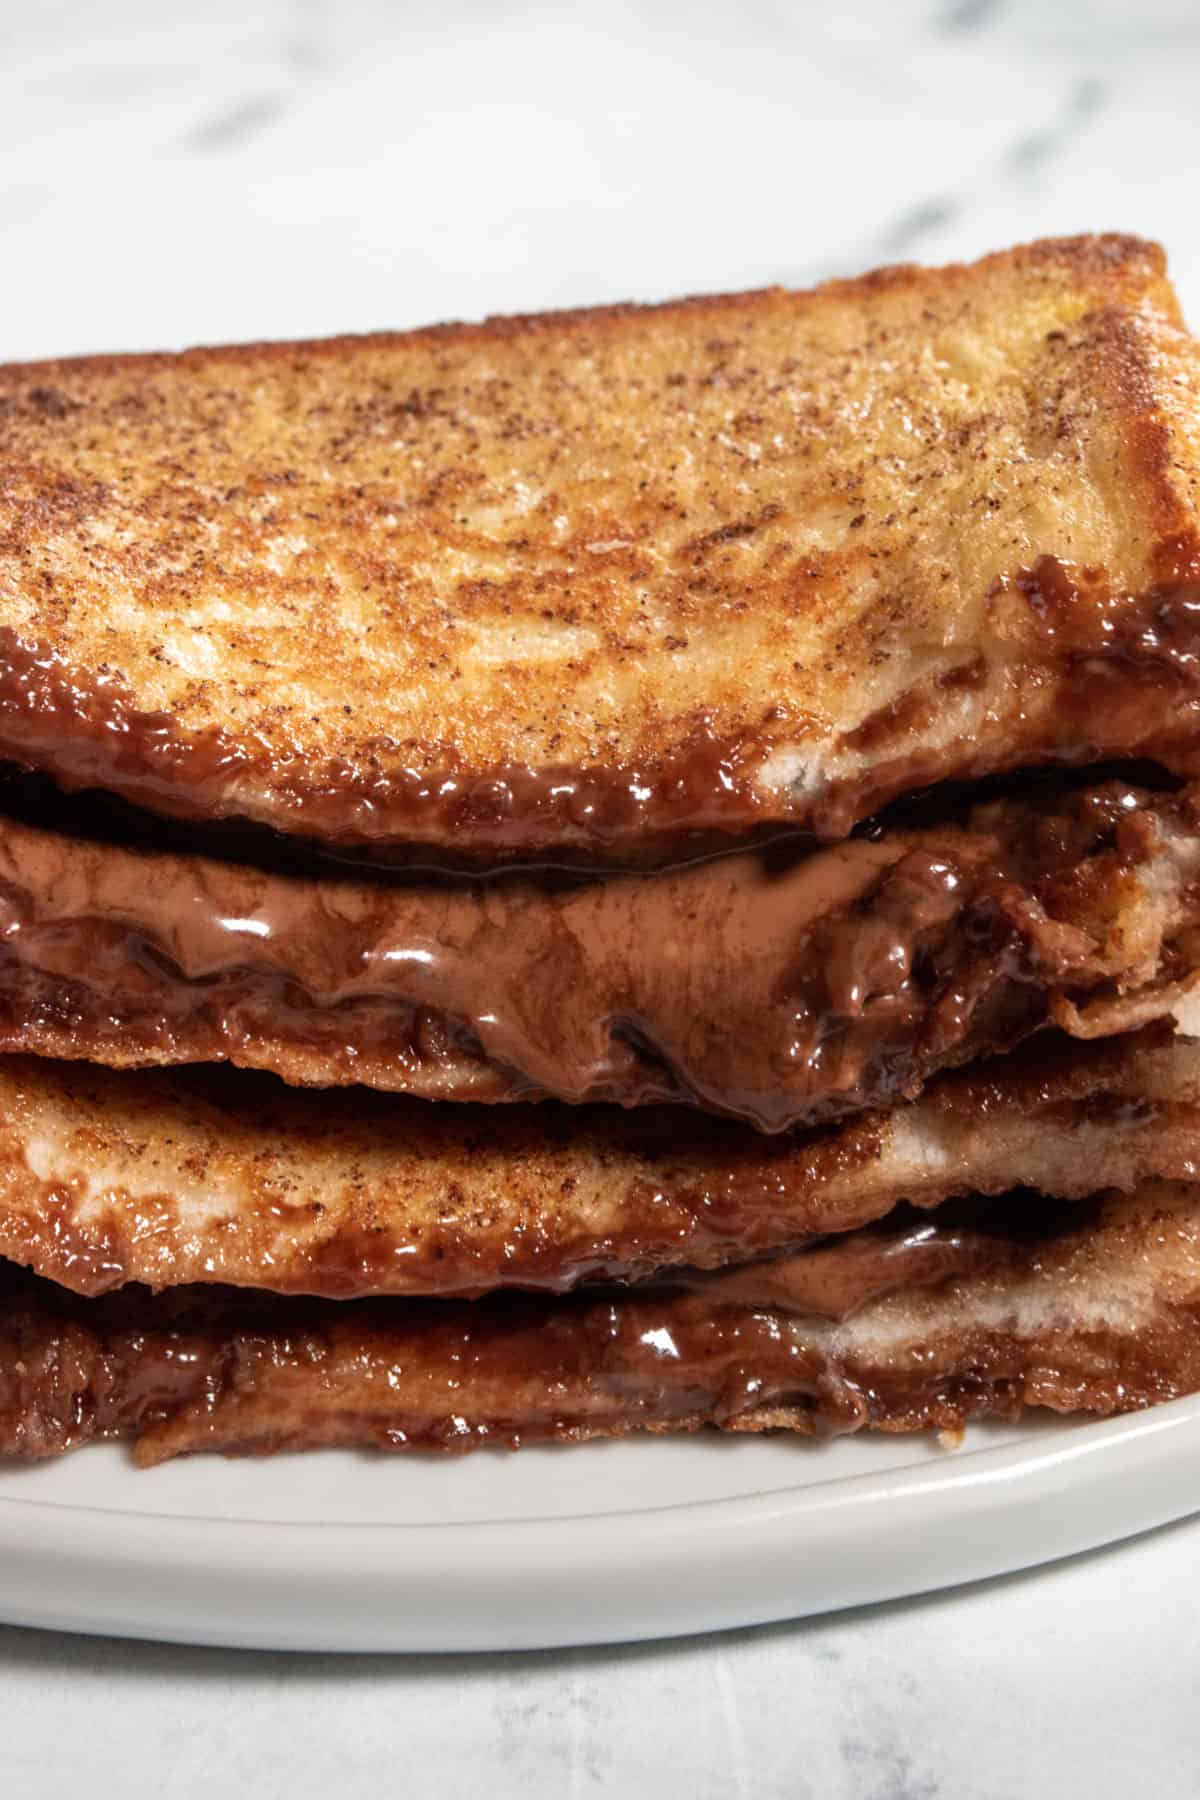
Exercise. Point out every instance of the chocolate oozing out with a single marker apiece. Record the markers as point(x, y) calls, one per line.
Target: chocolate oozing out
point(835, 1276)
point(777, 987)
point(1013, 1317)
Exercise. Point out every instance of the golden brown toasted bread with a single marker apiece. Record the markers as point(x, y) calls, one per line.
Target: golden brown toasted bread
point(210, 1176)
point(782, 990)
point(605, 580)
point(1101, 1316)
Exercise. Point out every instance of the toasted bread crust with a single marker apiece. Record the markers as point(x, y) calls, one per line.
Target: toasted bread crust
point(601, 581)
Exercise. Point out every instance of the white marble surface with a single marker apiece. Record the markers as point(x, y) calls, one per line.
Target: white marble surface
point(242, 168)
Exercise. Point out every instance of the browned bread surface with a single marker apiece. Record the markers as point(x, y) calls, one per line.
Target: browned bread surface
point(1101, 1317)
point(604, 579)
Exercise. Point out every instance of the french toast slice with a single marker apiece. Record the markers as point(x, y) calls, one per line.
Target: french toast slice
point(1097, 1314)
point(602, 584)
point(201, 1176)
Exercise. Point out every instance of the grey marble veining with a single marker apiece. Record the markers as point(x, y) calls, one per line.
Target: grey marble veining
point(244, 168)
point(171, 174)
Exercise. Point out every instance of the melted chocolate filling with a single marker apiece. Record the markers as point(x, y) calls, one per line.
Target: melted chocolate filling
point(774, 986)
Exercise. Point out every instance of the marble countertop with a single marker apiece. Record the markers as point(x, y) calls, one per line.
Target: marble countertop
point(171, 174)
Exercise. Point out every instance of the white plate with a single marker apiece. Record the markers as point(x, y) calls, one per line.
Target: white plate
point(566, 1546)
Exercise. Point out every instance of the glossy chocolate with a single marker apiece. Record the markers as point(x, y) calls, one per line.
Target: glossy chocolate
point(835, 1277)
point(774, 987)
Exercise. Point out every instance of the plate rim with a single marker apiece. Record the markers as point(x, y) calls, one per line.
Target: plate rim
point(552, 1581)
